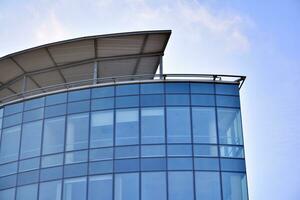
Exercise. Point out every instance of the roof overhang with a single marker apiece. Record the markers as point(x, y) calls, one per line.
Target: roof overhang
point(86, 58)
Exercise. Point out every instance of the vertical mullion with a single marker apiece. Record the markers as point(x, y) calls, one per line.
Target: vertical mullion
point(192, 139)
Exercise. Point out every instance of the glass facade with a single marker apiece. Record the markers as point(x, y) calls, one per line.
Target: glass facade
point(163, 140)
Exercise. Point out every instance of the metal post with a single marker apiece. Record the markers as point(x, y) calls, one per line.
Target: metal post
point(95, 72)
point(24, 84)
point(161, 67)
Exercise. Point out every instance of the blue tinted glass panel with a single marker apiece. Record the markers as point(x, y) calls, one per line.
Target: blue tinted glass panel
point(1, 112)
point(7, 169)
point(103, 92)
point(102, 126)
point(56, 99)
point(14, 108)
point(33, 115)
point(75, 170)
point(82, 106)
point(28, 177)
point(77, 132)
point(50, 190)
point(52, 173)
point(179, 150)
point(53, 140)
point(228, 101)
point(231, 89)
point(8, 194)
point(76, 157)
point(0, 123)
point(178, 124)
point(177, 88)
point(128, 165)
point(128, 101)
point(127, 89)
point(153, 164)
point(127, 126)
point(28, 192)
point(180, 186)
point(206, 164)
point(233, 165)
point(180, 163)
point(34, 103)
point(232, 151)
point(54, 111)
point(74, 189)
point(79, 95)
point(204, 88)
point(153, 186)
point(177, 100)
point(12, 120)
point(207, 185)
point(204, 125)
point(29, 164)
point(234, 186)
point(52, 160)
point(100, 187)
point(127, 186)
point(101, 154)
point(102, 167)
point(153, 151)
point(9, 149)
point(230, 126)
point(31, 139)
point(127, 152)
point(205, 150)
point(152, 88)
point(152, 100)
point(152, 125)
point(203, 100)
point(8, 181)
point(102, 104)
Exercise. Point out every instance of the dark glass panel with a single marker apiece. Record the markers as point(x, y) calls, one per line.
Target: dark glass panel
point(152, 100)
point(203, 100)
point(127, 152)
point(153, 164)
point(128, 165)
point(177, 88)
point(127, 102)
point(8, 182)
point(75, 170)
point(77, 107)
point(204, 88)
point(102, 104)
point(231, 89)
point(152, 88)
point(33, 115)
point(52, 173)
point(237, 165)
point(132, 89)
point(103, 92)
point(102, 167)
point(228, 101)
point(56, 99)
point(54, 111)
point(28, 177)
point(177, 100)
point(79, 95)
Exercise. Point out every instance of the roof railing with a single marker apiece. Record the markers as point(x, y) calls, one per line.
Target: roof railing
point(215, 78)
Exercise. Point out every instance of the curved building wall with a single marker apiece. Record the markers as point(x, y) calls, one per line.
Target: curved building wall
point(172, 140)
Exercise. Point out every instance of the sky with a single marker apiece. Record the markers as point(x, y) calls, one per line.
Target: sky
point(259, 39)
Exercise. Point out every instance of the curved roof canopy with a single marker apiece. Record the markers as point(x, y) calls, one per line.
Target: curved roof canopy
point(111, 55)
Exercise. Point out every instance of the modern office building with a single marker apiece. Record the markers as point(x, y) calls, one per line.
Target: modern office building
point(95, 118)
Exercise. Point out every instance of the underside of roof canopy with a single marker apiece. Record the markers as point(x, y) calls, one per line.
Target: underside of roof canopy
point(87, 58)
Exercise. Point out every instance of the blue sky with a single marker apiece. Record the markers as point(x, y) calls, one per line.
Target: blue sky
point(259, 39)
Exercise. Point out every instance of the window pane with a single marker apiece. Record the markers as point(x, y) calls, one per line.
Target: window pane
point(229, 125)
point(100, 187)
point(234, 186)
point(237, 165)
point(102, 167)
point(7, 194)
point(127, 165)
point(9, 148)
point(52, 160)
point(29, 164)
point(204, 125)
point(232, 151)
point(153, 151)
point(127, 89)
point(127, 186)
point(179, 150)
point(177, 88)
point(74, 189)
point(206, 150)
point(231, 89)
point(34, 103)
point(102, 104)
point(152, 88)
point(127, 126)
point(14, 108)
point(12, 120)
point(29, 177)
point(153, 164)
point(203, 100)
point(33, 115)
point(178, 125)
point(77, 107)
point(74, 170)
point(1, 112)
point(52, 173)
point(228, 101)
point(102, 129)
point(152, 100)
point(28, 192)
point(50, 190)
point(127, 152)
point(207, 185)
point(205, 88)
point(206, 164)
point(79, 95)
point(101, 154)
point(153, 125)
point(177, 100)
point(7, 169)
point(180, 163)
point(153, 186)
point(76, 157)
point(54, 130)
point(126, 102)
point(77, 132)
point(57, 110)
point(180, 186)
point(103, 92)
point(56, 99)
point(31, 139)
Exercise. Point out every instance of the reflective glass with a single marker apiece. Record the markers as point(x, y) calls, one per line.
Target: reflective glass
point(178, 125)
point(153, 164)
point(127, 152)
point(50, 190)
point(12, 120)
point(102, 126)
point(152, 100)
point(234, 186)
point(76, 157)
point(229, 125)
point(102, 167)
point(180, 163)
point(127, 186)
point(153, 150)
point(231, 89)
point(204, 88)
point(74, 189)
point(14, 108)
point(103, 92)
point(101, 154)
point(177, 100)
point(54, 111)
point(180, 186)
point(29, 164)
point(8, 194)
point(79, 95)
point(153, 186)
point(77, 107)
point(127, 165)
point(75, 170)
point(52, 160)
point(204, 125)
point(152, 125)
point(34, 103)
point(232, 151)
point(8, 181)
point(53, 139)
point(207, 185)
point(203, 100)
point(31, 139)
point(127, 102)
point(9, 149)
point(237, 165)
point(33, 115)
point(100, 187)
point(179, 150)
point(29, 177)
point(206, 150)
point(77, 132)
point(7, 169)
point(1, 112)
point(177, 88)
point(102, 104)
point(28, 192)
point(206, 164)
point(228, 101)
point(152, 88)
point(127, 126)
point(131, 89)
point(52, 173)
point(56, 99)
